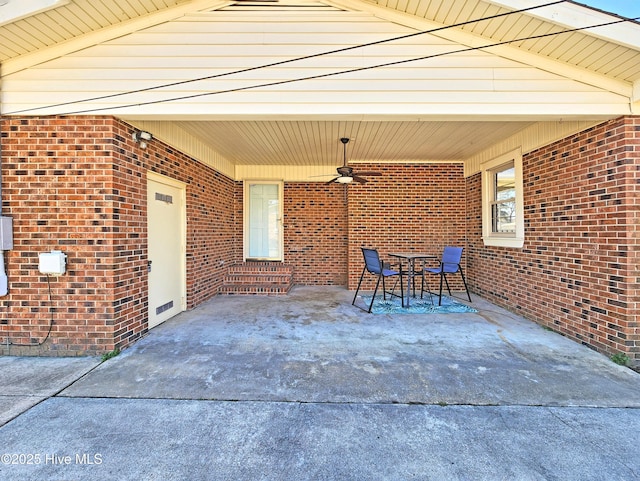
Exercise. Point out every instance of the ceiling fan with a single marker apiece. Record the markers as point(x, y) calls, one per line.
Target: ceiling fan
point(346, 173)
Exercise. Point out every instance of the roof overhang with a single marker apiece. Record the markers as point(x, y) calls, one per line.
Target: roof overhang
point(302, 137)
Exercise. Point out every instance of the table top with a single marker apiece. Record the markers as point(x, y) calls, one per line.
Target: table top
point(412, 255)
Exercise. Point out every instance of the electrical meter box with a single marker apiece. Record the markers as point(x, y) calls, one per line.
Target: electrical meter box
point(52, 263)
point(6, 233)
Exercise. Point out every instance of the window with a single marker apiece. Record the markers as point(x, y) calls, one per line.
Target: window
point(502, 216)
point(503, 205)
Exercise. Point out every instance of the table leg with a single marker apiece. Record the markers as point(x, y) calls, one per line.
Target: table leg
point(409, 277)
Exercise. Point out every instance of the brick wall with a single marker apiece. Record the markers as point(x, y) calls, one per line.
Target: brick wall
point(408, 208)
point(315, 232)
point(578, 270)
point(57, 183)
point(238, 226)
point(79, 185)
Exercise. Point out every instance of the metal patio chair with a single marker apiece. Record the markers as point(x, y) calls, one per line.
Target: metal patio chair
point(449, 264)
point(373, 265)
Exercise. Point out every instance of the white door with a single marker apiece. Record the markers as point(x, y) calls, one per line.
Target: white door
point(263, 218)
point(166, 253)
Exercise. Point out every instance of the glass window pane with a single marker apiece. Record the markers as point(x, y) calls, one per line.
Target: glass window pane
point(504, 216)
point(503, 211)
point(506, 184)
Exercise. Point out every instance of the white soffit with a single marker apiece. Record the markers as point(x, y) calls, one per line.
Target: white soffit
point(13, 10)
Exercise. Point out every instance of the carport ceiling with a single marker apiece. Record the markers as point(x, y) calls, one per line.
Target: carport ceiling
point(317, 142)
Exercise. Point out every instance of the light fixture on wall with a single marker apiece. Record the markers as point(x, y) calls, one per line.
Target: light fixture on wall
point(142, 137)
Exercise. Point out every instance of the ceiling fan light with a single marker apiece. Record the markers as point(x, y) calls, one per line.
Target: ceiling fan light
point(345, 179)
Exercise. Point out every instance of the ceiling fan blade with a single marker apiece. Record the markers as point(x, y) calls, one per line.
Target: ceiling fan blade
point(335, 179)
point(369, 173)
point(359, 179)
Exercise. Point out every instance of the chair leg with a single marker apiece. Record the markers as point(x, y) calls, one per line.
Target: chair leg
point(358, 289)
point(446, 281)
point(373, 298)
point(428, 289)
point(440, 292)
point(464, 281)
point(384, 288)
point(392, 293)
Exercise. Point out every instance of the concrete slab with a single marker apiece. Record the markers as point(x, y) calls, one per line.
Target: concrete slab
point(151, 439)
point(26, 381)
point(313, 346)
point(306, 387)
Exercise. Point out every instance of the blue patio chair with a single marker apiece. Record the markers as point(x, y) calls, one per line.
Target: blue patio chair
point(449, 264)
point(373, 265)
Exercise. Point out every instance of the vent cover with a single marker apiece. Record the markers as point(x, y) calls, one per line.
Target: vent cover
point(277, 5)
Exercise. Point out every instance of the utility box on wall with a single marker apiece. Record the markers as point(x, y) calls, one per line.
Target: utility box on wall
point(52, 263)
point(6, 233)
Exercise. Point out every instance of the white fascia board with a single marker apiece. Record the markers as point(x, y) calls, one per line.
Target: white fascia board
point(571, 15)
point(473, 41)
point(106, 34)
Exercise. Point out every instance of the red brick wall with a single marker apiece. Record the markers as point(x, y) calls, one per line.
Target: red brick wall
point(79, 185)
point(578, 270)
point(57, 184)
point(408, 208)
point(315, 233)
point(238, 226)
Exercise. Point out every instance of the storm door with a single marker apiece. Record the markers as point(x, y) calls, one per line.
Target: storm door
point(263, 221)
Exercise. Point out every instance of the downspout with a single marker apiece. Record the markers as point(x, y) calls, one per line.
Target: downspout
point(4, 236)
point(4, 282)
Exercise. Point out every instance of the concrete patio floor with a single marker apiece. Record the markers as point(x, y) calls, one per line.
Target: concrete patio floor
point(308, 387)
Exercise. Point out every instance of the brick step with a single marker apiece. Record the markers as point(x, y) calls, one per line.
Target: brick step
point(258, 278)
point(255, 278)
point(256, 289)
point(260, 268)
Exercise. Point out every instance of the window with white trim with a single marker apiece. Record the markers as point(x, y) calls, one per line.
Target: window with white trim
point(502, 202)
